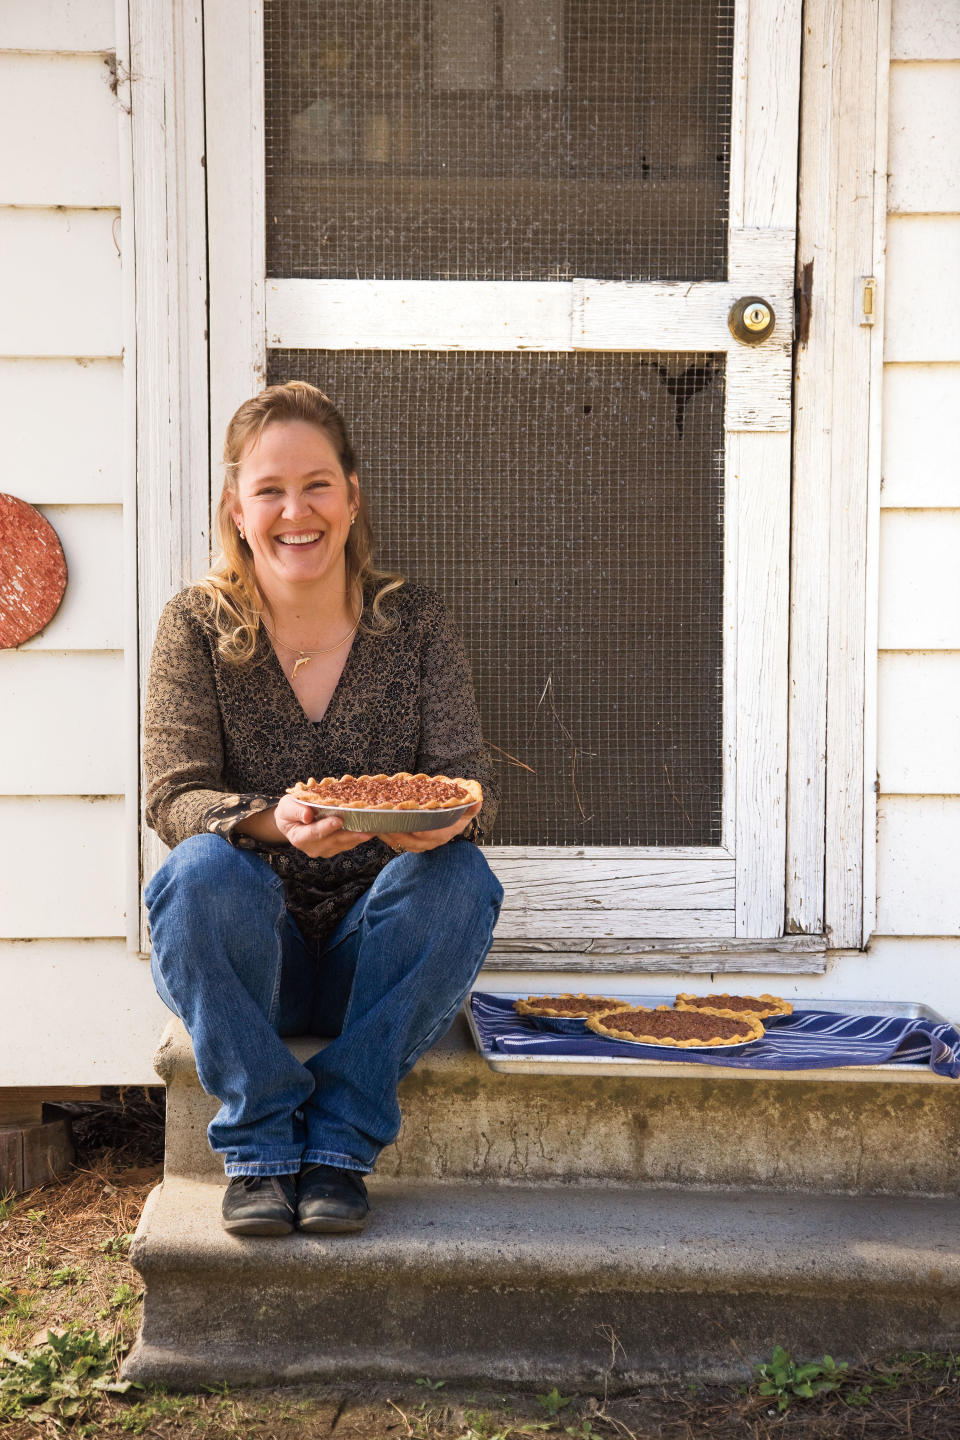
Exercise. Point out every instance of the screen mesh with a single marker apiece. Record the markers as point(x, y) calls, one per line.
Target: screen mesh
point(497, 139)
point(569, 508)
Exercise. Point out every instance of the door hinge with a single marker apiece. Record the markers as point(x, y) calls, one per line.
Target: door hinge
point(803, 304)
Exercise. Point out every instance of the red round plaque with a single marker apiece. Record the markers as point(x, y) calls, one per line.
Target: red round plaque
point(33, 572)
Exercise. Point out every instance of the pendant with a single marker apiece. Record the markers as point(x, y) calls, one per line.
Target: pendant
point(303, 660)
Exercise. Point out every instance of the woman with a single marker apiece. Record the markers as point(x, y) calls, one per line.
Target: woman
point(295, 657)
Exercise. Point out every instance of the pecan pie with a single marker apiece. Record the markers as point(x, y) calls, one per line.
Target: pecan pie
point(764, 1007)
point(569, 1007)
point(402, 791)
point(684, 1029)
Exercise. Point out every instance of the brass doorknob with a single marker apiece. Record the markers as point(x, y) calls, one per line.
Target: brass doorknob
point(751, 320)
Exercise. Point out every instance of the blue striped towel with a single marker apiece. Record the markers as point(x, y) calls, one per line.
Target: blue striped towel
point(806, 1040)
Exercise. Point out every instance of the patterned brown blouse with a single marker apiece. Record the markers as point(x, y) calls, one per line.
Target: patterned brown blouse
point(223, 741)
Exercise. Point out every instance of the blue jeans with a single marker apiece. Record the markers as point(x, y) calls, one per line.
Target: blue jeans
point(229, 960)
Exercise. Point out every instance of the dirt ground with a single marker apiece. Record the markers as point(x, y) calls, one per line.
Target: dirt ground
point(70, 1306)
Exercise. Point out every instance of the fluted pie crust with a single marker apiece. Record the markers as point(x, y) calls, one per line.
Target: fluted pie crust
point(402, 791)
point(606, 1024)
point(763, 1007)
point(547, 1006)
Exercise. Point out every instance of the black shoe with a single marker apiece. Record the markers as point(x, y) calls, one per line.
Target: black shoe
point(260, 1205)
point(331, 1201)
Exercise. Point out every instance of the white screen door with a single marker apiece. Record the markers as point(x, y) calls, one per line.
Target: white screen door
point(506, 239)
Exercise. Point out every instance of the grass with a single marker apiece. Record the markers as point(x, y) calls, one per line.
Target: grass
point(70, 1306)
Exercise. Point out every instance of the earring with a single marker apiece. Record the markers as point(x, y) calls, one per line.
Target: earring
point(353, 520)
point(243, 533)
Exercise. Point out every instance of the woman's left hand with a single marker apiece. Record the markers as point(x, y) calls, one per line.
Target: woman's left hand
point(417, 841)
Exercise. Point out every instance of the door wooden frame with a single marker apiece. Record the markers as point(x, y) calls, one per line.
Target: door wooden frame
point(829, 750)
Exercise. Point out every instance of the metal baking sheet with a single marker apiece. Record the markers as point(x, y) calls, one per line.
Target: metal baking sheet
point(545, 1064)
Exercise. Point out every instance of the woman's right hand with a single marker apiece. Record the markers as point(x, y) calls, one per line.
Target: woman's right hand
point(321, 838)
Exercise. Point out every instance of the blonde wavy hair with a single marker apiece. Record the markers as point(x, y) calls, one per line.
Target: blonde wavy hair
point(230, 587)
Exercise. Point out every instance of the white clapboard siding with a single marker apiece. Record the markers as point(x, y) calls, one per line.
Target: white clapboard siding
point(925, 30)
point(922, 312)
point(59, 119)
point(62, 866)
point(75, 405)
point(924, 133)
point(590, 884)
point(60, 282)
point(919, 580)
point(57, 24)
point(94, 1016)
point(62, 723)
point(921, 435)
point(918, 841)
point(91, 616)
point(919, 723)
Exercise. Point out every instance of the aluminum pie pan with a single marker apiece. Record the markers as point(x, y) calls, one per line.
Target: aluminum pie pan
point(390, 822)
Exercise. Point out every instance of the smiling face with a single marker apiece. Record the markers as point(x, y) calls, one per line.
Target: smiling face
point(295, 505)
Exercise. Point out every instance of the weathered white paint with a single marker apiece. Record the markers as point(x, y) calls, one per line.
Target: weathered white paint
point(169, 219)
point(59, 282)
point(91, 615)
point(918, 841)
point(75, 406)
point(921, 971)
point(418, 315)
point(233, 76)
point(62, 113)
point(62, 724)
point(577, 925)
point(925, 30)
point(924, 134)
point(921, 436)
point(75, 1007)
point(622, 883)
point(919, 723)
point(761, 464)
point(923, 284)
point(764, 114)
point(842, 162)
point(81, 896)
point(920, 597)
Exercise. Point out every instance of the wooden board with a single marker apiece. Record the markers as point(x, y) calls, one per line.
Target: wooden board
point(924, 132)
point(57, 24)
point(91, 616)
point(923, 288)
point(62, 730)
point(919, 737)
point(563, 882)
point(920, 597)
point(918, 841)
point(76, 406)
point(921, 436)
point(100, 1022)
point(63, 114)
point(60, 282)
point(78, 898)
point(925, 30)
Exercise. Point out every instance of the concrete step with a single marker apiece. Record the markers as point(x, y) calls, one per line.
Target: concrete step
point(531, 1283)
point(680, 1125)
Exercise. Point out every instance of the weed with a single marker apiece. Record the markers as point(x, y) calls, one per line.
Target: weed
point(66, 1275)
point(431, 1384)
point(8, 1203)
point(141, 1415)
point(783, 1379)
point(582, 1431)
point(553, 1402)
point(60, 1377)
point(117, 1244)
